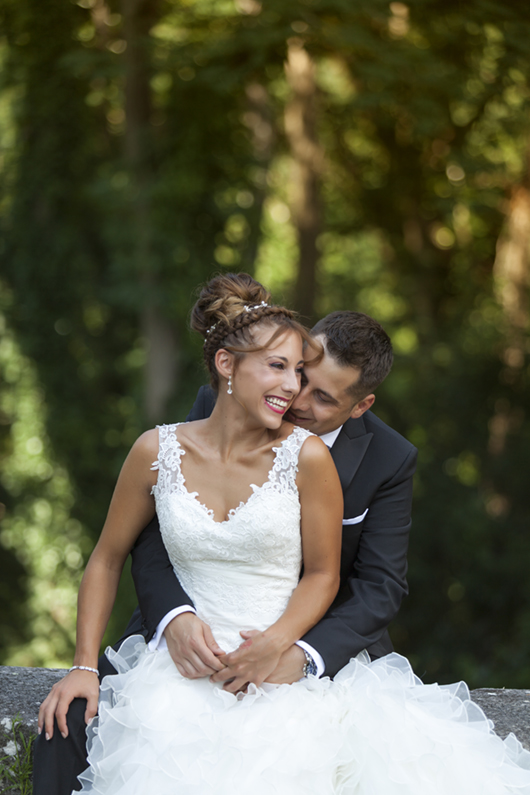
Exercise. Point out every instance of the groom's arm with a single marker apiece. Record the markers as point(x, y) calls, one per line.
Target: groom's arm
point(158, 590)
point(377, 583)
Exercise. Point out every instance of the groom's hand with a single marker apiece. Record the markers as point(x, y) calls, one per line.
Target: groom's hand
point(290, 668)
point(192, 646)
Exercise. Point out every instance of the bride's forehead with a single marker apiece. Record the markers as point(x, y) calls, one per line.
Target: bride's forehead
point(274, 338)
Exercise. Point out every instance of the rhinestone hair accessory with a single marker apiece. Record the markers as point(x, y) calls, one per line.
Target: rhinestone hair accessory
point(246, 308)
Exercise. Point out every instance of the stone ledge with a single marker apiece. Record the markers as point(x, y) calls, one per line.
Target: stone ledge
point(508, 709)
point(21, 692)
point(23, 689)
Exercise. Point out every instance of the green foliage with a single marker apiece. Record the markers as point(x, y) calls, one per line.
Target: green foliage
point(43, 544)
point(423, 120)
point(16, 764)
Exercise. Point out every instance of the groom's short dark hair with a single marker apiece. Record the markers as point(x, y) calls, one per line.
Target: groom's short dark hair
point(353, 339)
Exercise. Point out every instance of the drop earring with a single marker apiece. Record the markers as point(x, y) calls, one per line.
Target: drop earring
point(229, 390)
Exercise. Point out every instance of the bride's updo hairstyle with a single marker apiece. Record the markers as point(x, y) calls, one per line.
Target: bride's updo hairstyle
point(228, 308)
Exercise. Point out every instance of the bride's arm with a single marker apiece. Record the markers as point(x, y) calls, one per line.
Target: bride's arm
point(322, 507)
point(131, 507)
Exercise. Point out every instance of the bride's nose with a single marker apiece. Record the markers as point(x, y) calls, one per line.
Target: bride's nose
point(291, 382)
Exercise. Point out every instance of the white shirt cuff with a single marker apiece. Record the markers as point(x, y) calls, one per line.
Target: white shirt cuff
point(158, 641)
point(319, 662)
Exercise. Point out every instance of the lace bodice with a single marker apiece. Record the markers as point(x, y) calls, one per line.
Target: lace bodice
point(240, 572)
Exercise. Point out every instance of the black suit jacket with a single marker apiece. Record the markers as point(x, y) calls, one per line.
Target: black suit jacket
point(375, 466)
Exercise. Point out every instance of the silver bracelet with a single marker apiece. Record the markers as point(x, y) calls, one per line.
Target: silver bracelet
point(84, 668)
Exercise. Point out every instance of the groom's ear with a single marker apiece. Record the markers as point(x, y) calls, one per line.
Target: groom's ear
point(224, 363)
point(362, 406)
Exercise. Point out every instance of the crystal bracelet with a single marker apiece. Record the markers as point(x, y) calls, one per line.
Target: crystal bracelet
point(84, 668)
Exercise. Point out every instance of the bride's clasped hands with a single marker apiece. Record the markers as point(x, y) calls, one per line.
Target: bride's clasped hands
point(196, 654)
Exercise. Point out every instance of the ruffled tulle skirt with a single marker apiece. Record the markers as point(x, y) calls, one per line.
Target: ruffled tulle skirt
point(374, 730)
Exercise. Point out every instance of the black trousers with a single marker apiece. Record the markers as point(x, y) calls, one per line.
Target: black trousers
point(58, 762)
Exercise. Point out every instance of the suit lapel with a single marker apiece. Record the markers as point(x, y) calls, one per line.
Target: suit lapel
point(349, 449)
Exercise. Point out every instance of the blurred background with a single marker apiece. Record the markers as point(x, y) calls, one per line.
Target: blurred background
point(364, 155)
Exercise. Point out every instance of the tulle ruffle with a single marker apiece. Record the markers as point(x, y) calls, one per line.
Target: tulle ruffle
point(427, 739)
point(374, 730)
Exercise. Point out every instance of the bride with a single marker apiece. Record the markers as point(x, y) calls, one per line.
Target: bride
point(242, 497)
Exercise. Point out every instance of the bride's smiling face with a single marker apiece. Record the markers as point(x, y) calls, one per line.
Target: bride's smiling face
point(265, 382)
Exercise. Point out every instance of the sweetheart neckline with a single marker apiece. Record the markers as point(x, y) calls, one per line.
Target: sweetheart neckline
point(194, 495)
point(233, 511)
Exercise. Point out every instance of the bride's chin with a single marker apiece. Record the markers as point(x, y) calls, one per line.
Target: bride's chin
point(275, 422)
point(272, 421)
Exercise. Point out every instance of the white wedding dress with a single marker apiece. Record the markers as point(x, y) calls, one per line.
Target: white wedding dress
point(374, 730)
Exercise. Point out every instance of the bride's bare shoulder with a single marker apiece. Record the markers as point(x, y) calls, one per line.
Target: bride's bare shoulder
point(314, 454)
point(193, 425)
point(145, 450)
point(146, 446)
point(287, 428)
point(191, 431)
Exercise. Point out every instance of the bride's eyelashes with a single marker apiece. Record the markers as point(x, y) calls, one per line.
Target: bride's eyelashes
point(281, 366)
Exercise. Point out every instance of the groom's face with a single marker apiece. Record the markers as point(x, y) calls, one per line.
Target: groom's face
point(324, 402)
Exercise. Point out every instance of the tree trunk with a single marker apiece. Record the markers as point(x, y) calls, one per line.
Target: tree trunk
point(159, 333)
point(511, 272)
point(259, 120)
point(300, 128)
point(512, 262)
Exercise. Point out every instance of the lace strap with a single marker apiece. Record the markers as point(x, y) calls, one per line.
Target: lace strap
point(285, 467)
point(170, 478)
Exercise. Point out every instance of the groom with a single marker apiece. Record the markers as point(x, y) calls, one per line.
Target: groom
point(375, 466)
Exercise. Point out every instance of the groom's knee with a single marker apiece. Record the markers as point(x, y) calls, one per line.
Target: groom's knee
point(58, 762)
